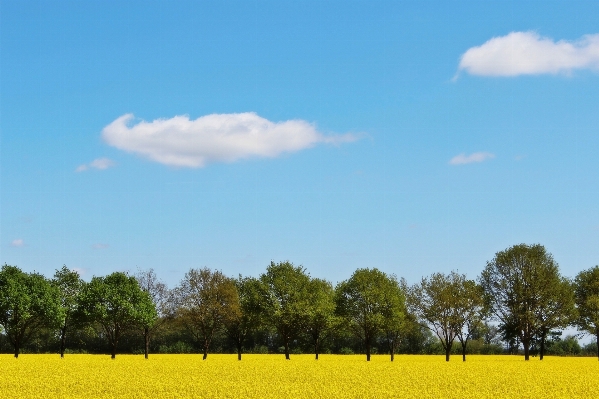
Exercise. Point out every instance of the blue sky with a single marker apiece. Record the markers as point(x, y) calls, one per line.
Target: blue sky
point(411, 136)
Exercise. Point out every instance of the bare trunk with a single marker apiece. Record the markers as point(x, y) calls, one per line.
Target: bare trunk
point(16, 351)
point(115, 339)
point(286, 349)
point(146, 342)
point(526, 350)
point(542, 349)
point(63, 336)
point(238, 350)
point(447, 352)
point(464, 351)
point(368, 351)
point(392, 354)
point(316, 342)
point(598, 344)
point(206, 343)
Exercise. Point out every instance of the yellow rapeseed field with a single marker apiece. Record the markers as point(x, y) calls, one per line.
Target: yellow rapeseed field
point(271, 376)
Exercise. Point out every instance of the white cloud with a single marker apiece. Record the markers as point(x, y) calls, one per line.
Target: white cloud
point(79, 270)
point(527, 53)
point(472, 158)
point(182, 142)
point(100, 246)
point(100, 164)
point(17, 243)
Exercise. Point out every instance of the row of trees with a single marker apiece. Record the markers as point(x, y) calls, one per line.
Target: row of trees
point(520, 291)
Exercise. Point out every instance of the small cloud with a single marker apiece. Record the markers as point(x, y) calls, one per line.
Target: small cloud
point(100, 164)
point(463, 159)
point(519, 157)
point(81, 271)
point(100, 246)
point(182, 142)
point(17, 243)
point(527, 53)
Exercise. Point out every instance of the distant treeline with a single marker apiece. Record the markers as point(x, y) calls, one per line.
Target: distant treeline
point(519, 304)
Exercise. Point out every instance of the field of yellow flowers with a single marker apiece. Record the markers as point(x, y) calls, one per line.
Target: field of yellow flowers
point(271, 376)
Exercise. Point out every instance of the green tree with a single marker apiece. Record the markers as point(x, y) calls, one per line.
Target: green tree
point(370, 303)
point(586, 292)
point(206, 301)
point(240, 324)
point(159, 294)
point(436, 300)
point(520, 284)
point(556, 309)
point(394, 315)
point(286, 300)
point(117, 304)
point(470, 309)
point(28, 303)
point(69, 285)
point(321, 311)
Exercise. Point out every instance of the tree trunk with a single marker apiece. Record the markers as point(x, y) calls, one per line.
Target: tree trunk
point(392, 353)
point(598, 344)
point(286, 349)
point(146, 342)
point(368, 352)
point(526, 350)
point(16, 351)
point(238, 349)
point(63, 336)
point(542, 349)
point(113, 353)
point(316, 347)
point(464, 351)
point(206, 343)
point(447, 352)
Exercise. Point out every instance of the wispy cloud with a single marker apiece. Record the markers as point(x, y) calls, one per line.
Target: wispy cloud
point(17, 242)
point(100, 164)
point(528, 53)
point(100, 246)
point(463, 159)
point(79, 270)
point(182, 142)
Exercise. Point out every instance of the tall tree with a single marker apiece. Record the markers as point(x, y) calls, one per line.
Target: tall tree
point(285, 298)
point(394, 315)
point(470, 310)
point(556, 310)
point(241, 323)
point(69, 285)
point(587, 302)
point(206, 300)
point(28, 302)
point(321, 311)
point(159, 294)
point(365, 301)
point(117, 304)
point(519, 283)
point(435, 300)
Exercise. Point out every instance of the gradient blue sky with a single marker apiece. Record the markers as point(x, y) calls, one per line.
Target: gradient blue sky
point(378, 92)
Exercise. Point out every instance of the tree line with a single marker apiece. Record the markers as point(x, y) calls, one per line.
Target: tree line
point(520, 300)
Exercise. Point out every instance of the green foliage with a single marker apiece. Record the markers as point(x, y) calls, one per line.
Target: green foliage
point(450, 305)
point(206, 301)
point(526, 293)
point(117, 304)
point(370, 302)
point(69, 286)
point(586, 293)
point(248, 319)
point(28, 303)
point(286, 300)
